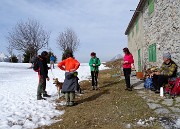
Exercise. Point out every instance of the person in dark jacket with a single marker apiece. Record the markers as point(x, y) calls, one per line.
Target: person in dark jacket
point(168, 70)
point(43, 75)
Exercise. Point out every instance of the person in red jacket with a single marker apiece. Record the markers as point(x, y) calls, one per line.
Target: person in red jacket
point(128, 60)
point(69, 65)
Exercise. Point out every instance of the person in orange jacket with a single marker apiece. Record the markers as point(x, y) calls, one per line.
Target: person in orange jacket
point(69, 65)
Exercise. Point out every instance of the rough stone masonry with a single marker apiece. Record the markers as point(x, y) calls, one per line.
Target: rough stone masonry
point(163, 28)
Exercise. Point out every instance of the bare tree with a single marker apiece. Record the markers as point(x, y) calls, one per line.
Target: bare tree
point(68, 40)
point(10, 51)
point(28, 36)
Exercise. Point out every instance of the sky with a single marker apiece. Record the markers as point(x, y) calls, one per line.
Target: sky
point(99, 24)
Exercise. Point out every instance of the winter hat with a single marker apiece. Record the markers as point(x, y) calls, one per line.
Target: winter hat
point(44, 53)
point(93, 54)
point(167, 55)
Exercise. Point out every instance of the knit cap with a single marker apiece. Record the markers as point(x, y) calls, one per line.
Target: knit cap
point(167, 55)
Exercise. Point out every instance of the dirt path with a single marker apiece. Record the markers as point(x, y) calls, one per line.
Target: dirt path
point(111, 107)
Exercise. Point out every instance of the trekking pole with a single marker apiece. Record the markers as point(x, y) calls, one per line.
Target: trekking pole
point(95, 77)
point(52, 73)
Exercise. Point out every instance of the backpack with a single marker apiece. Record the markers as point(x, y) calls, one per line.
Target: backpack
point(35, 64)
point(148, 84)
point(176, 90)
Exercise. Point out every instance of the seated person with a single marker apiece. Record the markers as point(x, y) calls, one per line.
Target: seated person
point(167, 70)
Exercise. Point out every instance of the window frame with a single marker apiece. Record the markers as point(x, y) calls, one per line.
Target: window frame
point(151, 6)
point(152, 53)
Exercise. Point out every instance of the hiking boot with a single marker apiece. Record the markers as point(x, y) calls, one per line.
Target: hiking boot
point(67, 104)
point(129, 89)
point(152, 89)
point(93, 88)
point(46, 95)
point(71, 103)
point(157, 91)
point(126, 88)
point(40, 98)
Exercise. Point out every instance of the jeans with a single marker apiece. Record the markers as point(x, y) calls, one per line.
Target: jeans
point(127, 73)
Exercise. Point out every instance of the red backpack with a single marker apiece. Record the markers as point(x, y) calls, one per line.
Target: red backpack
point(176, 90)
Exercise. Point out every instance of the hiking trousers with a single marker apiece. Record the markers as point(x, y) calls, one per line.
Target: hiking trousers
point(41, 86)
point(94, 75)
point(127, 73)
point(159, 81)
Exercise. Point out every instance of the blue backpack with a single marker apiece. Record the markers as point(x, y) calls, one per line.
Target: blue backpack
point(148, 84)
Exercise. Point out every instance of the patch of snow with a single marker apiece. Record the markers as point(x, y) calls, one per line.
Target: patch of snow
point(177, 125)
point(141, 122)
point(128, 126)
point(146, 122)
point(18, 105)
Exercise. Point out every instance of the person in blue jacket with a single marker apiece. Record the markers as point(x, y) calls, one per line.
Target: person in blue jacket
point(52, 61)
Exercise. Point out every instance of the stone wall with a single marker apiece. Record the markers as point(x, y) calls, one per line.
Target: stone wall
point(163, 28)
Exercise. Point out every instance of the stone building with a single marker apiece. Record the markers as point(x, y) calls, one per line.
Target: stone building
point(153, 30)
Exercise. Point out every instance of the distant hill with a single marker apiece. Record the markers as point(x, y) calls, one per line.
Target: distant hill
point(119, 56)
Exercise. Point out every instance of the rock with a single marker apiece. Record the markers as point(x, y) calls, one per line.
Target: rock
point(141, 92)
point(154, 105)
point(177, 105)
point(162, 111)
point(168, 102)
point(150, 100)
point(139, 87)
point(177, 100)
point(174, 109)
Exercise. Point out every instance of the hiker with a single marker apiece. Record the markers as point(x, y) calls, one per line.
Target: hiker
point(94, 64)
point(127, 64)
point(168, 70)
point(52, 61)
point(43, 75)
point(69, 65)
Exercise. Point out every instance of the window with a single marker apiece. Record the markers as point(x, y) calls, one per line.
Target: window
point(152, 53)
point(151, 6)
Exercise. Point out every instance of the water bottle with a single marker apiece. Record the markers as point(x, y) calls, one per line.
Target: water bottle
point(161, 92)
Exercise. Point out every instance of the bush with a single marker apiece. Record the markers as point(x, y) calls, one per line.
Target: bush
point(13, 59)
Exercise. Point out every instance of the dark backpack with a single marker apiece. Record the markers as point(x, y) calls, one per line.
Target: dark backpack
point(35, 64)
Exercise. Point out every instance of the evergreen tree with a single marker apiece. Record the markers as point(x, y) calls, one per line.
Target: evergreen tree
point(13, 59)
point(27, 56)
point(66, 52)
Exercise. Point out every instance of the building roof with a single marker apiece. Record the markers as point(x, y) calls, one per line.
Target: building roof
point(135, 15)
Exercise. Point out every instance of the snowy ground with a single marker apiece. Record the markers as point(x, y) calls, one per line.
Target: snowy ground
point(18, 105)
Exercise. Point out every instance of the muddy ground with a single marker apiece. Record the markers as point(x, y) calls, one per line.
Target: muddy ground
point(111, 107)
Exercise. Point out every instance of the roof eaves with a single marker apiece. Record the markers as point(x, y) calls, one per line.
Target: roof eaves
point(135, 15)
